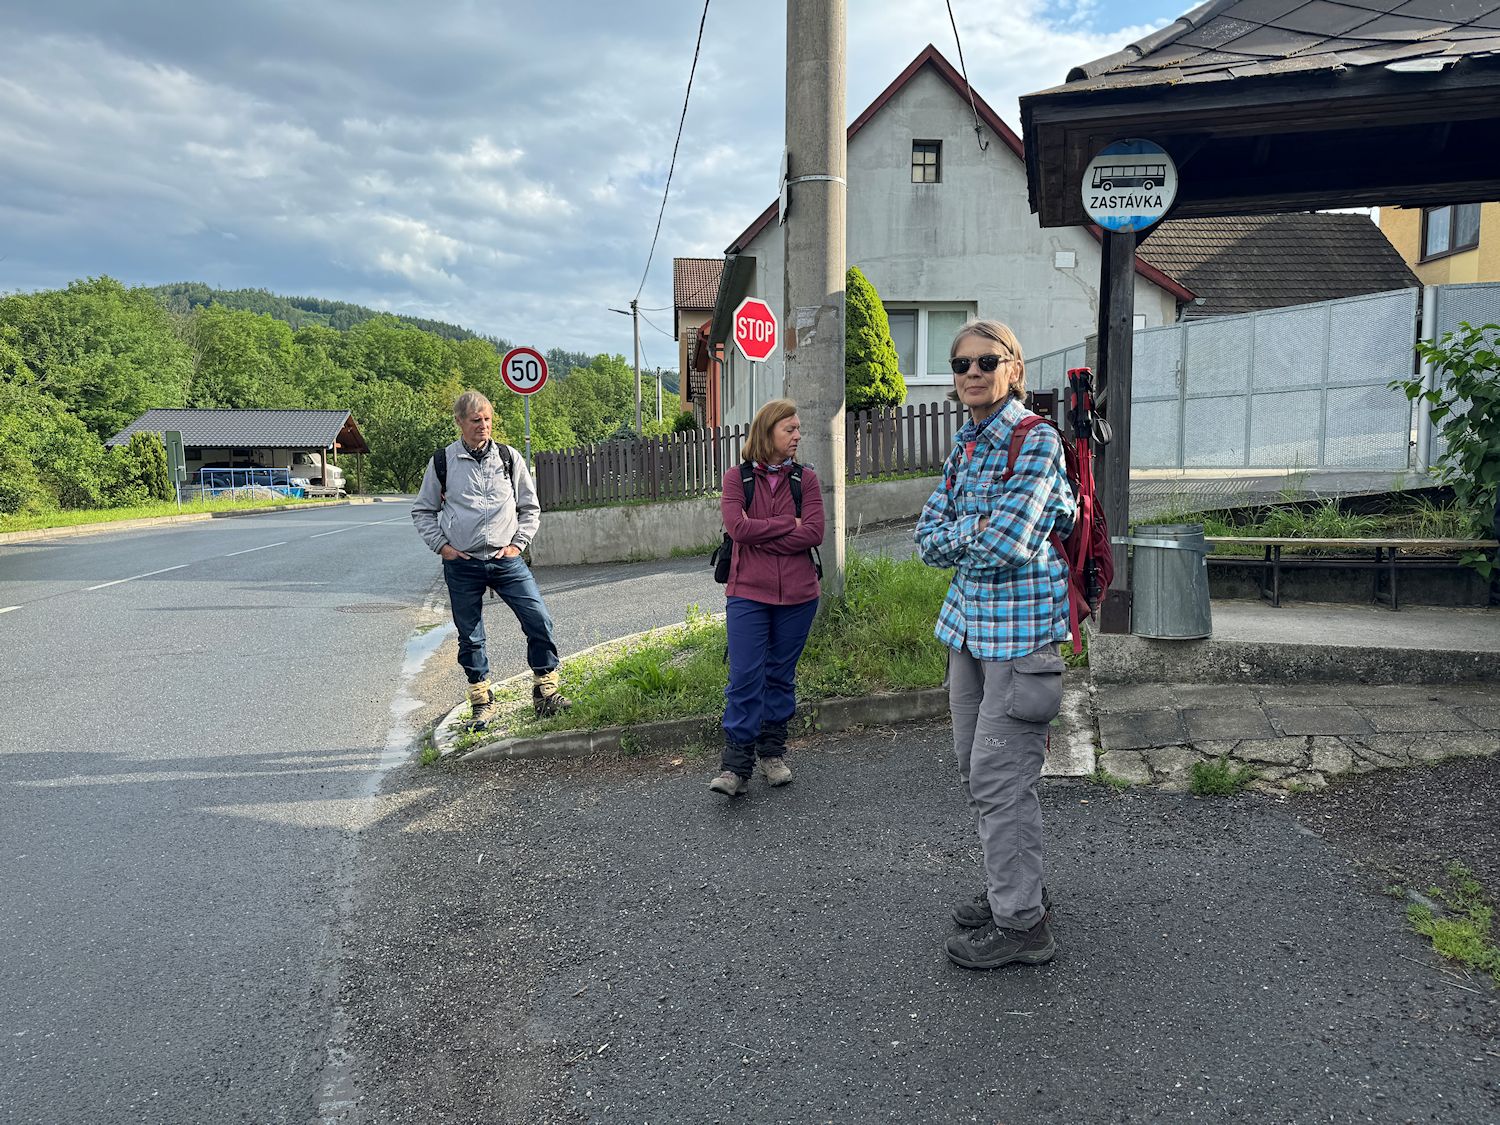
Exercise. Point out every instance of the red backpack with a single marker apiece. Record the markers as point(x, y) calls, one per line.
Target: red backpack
point(1086, 550)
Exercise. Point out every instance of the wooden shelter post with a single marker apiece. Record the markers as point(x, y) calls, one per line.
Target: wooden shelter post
point(1116, 349)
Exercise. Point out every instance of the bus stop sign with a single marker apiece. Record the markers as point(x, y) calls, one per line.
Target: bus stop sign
point(1129, 185)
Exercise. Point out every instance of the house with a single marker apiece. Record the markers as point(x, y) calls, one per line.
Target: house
point(1454, 243)
point(938, 220)
point(1248, 263)
point(695, 284)
point(297, 440)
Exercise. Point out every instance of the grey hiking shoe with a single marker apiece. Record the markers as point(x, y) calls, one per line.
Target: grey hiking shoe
point(975, 912)
point(730, 784)
point(991, 947)
point(481, 704)
point(776, 770)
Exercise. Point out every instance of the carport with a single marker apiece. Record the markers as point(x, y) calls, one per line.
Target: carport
point(1269, 106)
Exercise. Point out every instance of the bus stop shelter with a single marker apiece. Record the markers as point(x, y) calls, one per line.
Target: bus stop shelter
point(1269, 106)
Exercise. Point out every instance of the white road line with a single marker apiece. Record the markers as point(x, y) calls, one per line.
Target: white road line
point(398, 519)
point(340, 531)
point(267, 547)
point(8, 608)
point(133, 577)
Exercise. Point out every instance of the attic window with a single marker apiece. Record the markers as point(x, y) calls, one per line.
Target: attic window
point(1449, 230)
point(926, 162)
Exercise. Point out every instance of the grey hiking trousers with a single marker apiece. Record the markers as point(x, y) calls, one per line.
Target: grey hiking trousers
point(1001, 712)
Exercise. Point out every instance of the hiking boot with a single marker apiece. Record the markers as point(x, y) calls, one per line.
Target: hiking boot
point(546, 700)
point(730, 784)
point(991, 947)
point(975, 912)
point(776, 770)
point(481, 704)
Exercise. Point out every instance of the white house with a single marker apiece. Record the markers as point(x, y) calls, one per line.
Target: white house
point(943, 230)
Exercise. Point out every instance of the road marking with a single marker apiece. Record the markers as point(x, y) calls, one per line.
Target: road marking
point(248, 550)
point(340, 531)
point(398, 519)
point(133, 577)
point(8, 608)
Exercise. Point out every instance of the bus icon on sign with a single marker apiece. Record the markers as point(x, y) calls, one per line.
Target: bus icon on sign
point(1107, 177)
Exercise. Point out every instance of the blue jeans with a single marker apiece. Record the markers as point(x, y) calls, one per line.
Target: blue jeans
point(765, 642)
point(511, 578)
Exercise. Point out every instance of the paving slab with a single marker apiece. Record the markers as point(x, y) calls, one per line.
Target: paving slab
point(1329, 720)
point(1226, 722)
point(1135, 730)
point(1392, 720)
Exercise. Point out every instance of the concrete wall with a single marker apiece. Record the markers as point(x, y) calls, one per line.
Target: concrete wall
point(970, 239)
point(654, 531)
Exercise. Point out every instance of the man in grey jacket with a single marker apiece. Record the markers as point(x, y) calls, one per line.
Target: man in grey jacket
point(480, 520)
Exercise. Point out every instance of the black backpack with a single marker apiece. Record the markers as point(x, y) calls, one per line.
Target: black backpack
point(724, 552)
point(440, 466)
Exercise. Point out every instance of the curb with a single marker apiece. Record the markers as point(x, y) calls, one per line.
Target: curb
point(82, 529)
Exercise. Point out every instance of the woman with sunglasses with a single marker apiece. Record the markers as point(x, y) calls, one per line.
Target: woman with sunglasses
point(1002, 620)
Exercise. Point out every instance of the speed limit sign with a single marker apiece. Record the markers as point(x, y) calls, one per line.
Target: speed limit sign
point(524, 370)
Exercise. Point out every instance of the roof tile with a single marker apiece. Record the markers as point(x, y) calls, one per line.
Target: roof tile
point(270, 429)
point(695, 282)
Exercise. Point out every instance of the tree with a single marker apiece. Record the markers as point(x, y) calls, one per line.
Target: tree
point(140, 472)
point(1464, 406)
point(244, 361)
point(403, 429)
point(872, 371)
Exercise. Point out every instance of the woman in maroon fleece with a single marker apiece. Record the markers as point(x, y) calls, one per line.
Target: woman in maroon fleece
point(772, 595)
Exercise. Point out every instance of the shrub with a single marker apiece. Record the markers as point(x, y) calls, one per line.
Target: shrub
point(872, 371)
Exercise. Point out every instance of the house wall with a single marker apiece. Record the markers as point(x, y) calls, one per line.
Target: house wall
point(970, 239)
point(1403, 226)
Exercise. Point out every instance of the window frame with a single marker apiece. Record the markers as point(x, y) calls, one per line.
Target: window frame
point(969, 309)
point(936, 163)
point(1450, 250)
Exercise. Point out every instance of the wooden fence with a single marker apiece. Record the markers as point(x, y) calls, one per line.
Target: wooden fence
point(908, 439)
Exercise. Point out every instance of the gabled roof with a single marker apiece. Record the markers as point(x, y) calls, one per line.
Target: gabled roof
point(1245, 263)
point(267, 429)
point(695, 281)
point(1229, 39)
point(931, 56)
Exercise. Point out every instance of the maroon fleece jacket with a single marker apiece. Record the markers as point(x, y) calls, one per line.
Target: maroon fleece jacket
point(771, 563)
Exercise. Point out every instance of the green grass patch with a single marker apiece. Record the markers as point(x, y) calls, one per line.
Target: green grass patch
point(877, 637)
point(1118, 784)
point(38, 521)
point(1219, 778)
point(1465, 933)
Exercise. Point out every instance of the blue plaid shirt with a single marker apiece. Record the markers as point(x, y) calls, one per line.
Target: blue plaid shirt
point(1010, 588)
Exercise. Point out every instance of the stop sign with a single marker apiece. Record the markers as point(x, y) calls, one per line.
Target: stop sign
point(755, 329)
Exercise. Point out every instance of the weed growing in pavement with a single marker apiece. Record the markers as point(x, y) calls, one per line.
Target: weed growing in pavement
point(1465, 934)
point(430, 753)
point(1118, 784)
point(1219, 778)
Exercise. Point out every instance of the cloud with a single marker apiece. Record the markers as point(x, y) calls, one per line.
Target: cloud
point(498, 168)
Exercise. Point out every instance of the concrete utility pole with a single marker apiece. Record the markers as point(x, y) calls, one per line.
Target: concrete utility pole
point(635, 324)
point(816, 192)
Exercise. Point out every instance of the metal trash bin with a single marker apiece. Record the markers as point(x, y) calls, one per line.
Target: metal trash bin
point(1169, 582)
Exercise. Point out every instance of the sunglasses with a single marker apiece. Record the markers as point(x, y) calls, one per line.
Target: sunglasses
point(987, 363)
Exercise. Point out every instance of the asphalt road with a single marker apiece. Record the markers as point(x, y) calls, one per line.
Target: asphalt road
point(608, 941)
point(197, 721)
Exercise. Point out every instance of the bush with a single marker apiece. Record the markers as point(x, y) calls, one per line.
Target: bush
point(872, 371)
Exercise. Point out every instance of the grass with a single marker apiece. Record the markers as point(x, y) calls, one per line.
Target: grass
point(1219, 778)
point(1466, 932)
point(37, 521)
point(877, 637)
point(1409, 518)
point(1118, 784)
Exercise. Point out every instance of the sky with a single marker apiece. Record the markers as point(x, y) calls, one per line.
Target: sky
point(496, 165)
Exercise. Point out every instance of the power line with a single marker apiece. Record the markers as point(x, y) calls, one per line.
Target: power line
point(673, 165)
point(663, 331)
point(978, 135)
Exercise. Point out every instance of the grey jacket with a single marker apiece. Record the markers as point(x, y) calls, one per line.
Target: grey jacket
point(483, 512)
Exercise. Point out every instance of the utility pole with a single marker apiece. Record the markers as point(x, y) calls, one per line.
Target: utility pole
point(816, 192)
point(634, 314)
point(1116, 350)
point(658, 394)
point(635, 323)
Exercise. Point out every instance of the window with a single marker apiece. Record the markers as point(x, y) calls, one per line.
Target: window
point(922, 335)
point(1448, 230)
point(926, 162)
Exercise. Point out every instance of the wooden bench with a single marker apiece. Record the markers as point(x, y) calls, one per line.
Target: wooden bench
point(1386, 561)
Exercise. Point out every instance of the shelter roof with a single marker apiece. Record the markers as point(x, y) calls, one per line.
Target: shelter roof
point(264, 429)
point(1287, 105)
point(1246, 263)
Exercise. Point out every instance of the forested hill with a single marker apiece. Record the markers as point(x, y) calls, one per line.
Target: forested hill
point(185, 296)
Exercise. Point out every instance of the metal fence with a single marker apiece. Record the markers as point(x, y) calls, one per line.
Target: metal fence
point(1445, 308)
point(1306, 386)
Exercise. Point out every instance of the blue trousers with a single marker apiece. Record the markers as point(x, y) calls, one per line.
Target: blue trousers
point(765, 642)
point(511, 578)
